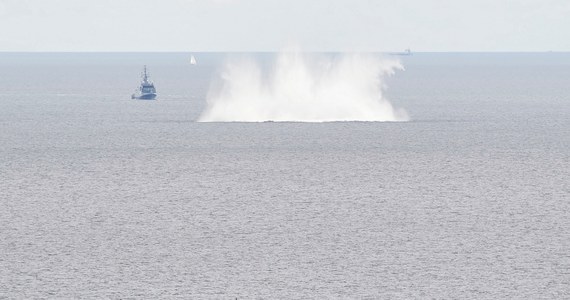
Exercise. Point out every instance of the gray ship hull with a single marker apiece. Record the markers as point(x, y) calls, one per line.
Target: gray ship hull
point(145, 97)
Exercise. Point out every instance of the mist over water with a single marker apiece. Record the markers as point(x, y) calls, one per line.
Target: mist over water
point(303, 87)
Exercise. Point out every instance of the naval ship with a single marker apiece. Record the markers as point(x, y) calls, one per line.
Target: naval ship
point(146, 91)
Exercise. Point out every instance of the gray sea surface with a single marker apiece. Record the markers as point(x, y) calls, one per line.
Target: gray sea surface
point(102, 196)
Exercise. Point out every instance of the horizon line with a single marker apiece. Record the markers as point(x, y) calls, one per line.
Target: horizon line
point(280, 51)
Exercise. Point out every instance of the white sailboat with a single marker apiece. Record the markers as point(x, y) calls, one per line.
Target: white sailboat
point(192, 60)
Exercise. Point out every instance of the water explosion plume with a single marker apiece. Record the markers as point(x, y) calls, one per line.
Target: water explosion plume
point(303, 87)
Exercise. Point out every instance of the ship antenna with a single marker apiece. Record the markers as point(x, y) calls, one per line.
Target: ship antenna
point(145, 76)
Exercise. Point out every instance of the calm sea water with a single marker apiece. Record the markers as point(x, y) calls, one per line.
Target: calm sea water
point(105, 197)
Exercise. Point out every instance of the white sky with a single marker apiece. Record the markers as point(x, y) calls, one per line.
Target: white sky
point(269, 25)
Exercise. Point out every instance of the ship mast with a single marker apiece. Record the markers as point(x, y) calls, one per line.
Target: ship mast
point(145, 75)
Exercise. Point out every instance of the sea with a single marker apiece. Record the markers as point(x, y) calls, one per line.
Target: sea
point(105, 197)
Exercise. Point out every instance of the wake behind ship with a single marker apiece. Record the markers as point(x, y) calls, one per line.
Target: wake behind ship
point(146, 91)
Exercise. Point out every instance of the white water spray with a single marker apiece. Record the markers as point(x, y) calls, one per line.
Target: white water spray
point(305, 88)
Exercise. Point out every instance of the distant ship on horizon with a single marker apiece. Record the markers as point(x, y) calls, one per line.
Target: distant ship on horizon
point(405, 52)
point(192, 60)
point(146, 91)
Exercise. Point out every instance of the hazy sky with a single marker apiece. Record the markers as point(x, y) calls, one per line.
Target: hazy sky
point(266, 25)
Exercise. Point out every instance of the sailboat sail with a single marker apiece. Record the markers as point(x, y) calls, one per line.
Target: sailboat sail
point(192, 60)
